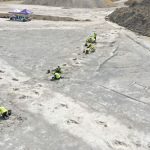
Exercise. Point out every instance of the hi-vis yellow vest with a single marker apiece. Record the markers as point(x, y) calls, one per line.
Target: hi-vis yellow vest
point(3, 110)
point(57, 75)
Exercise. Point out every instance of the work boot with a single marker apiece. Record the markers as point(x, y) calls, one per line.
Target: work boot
point(5, 116)
point(48, 71)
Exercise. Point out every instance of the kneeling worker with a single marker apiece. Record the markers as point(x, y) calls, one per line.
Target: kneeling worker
point(58, 70)
point(5, 113)
point(56, 76)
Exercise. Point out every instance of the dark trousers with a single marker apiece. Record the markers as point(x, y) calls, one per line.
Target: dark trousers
point(6, 114)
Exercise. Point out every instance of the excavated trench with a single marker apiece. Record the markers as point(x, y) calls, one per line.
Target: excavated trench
point(47, 17)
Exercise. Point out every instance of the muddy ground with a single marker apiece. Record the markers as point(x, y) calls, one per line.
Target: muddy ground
point(101, 104)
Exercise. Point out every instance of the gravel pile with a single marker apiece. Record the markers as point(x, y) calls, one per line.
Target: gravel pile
point(136, 17)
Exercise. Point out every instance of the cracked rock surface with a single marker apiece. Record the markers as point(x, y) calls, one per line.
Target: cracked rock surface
point(101, 104)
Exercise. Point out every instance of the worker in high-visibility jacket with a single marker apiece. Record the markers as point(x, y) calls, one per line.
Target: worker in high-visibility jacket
point(57, 76)
point(95, 36)
point(58, 70)
point(91, 39)
point(5, 113)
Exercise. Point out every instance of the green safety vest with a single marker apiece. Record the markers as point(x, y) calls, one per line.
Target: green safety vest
point(57, 75)
point(3, 110)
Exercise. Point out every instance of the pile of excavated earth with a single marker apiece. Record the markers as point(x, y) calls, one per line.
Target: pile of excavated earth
point(136, 17)
point(72, 3)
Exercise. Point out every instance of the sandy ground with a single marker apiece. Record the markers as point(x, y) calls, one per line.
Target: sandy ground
point(101, 104)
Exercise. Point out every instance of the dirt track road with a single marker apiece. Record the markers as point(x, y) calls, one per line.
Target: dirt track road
point(103, 102)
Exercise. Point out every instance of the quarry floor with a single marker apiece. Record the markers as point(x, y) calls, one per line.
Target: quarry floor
point(102, 103)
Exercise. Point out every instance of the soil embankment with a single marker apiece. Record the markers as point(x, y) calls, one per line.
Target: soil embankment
point(72, 3)
point(136, 17)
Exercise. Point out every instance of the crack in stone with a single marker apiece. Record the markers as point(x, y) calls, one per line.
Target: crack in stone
point(123, 67)
point(113, 54)
point(137, 42)
point(127, 96)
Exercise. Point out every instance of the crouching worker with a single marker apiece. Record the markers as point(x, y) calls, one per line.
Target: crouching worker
point(5, 113)
point(58, 70)
point(56, 76)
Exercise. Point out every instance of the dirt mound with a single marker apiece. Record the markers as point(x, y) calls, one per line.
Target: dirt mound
point(4, 0)
point(72, 3)
point(136, 17)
